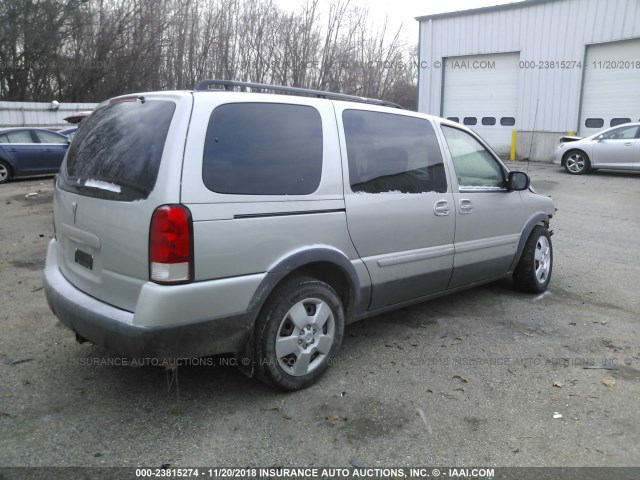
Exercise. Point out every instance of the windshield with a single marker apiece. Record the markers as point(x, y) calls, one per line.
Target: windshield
point(116, 153)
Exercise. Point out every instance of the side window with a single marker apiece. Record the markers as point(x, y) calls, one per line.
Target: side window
point(19, 136)
point(49, 137)
point(474, 165)
point(263, 149)
point(392, 153)
point(4, 139)
point(623, 133)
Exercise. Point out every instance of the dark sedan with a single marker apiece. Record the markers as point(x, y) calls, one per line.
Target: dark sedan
point(30, 151)
point(68, 132)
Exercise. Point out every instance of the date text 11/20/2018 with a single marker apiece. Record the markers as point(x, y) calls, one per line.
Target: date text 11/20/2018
point(314, 472)
point(572, 64)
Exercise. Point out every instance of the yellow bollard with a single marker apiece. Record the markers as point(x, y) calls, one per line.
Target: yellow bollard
point(513, 145)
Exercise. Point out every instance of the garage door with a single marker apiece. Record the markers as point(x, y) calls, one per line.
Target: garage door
point(481, 92)
point(611, 90)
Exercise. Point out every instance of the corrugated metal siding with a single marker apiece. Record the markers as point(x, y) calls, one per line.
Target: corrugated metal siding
point(38, 114)
point(551, 31)
point(609, 93)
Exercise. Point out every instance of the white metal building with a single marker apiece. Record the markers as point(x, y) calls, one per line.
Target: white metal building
point(543, 66)
point(39, 114)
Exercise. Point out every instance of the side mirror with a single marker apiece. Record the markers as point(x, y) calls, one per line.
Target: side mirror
point(517, 181)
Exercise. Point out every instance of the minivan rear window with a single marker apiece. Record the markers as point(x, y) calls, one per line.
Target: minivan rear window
point(117, 150)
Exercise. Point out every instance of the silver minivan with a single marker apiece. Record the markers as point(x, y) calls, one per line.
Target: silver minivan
point(214, 221)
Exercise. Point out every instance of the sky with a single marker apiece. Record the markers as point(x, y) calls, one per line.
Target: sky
point(403, 11)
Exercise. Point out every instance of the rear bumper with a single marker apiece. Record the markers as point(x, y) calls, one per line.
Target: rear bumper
point(115, 329)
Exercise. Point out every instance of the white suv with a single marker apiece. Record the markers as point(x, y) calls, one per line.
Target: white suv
point(213, 221)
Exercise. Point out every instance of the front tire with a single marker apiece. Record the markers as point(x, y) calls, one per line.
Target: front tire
point(298, 333)
point(576, 162)
point(533, 272)
point(5, 172)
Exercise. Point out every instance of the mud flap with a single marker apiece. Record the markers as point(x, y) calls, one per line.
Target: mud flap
point(244, 359)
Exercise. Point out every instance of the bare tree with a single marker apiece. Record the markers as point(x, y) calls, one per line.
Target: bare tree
point(88, 50)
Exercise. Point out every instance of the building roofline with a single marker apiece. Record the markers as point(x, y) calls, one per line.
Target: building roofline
point(490, 9)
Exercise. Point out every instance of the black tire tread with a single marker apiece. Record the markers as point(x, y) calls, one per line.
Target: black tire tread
point(8, 167)
point(288, 289)
point(587, 164)
point(524, 277)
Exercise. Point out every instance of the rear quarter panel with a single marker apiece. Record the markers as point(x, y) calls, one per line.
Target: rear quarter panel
point(246, 234)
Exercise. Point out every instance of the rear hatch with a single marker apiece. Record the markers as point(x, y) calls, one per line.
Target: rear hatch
point(125, 161)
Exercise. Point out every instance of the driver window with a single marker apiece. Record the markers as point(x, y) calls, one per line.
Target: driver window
point(623, 133)
point(475, 167)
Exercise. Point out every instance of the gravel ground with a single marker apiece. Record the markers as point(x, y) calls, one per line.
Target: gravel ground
point(476, 378)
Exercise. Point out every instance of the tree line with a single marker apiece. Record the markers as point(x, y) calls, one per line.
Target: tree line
point(90, 50)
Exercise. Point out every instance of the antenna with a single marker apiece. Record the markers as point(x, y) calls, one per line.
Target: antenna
point(533, 132)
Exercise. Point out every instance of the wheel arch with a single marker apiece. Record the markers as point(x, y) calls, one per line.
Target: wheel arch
point(324, 263)
point(10, 167)
point(533, 222)
point(563, 161)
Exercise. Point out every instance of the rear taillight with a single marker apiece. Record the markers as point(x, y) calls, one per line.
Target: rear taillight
point(171, 245)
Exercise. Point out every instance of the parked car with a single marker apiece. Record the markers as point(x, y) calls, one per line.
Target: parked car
point(205, 222)
point(68, 132)
point(30, 151)
point(616, 148)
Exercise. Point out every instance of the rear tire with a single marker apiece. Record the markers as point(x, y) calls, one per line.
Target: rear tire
point(5, 172)
point(533, 272)
point(576, 162)
point(298, 333)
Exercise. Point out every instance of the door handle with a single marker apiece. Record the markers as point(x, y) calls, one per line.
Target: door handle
point(628, 144)
point(441, 208)
point(465, 207)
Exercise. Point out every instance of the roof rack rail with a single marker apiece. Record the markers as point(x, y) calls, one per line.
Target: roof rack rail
point(231, 85)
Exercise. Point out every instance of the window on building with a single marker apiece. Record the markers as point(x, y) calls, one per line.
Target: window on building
point(470, 121)
point(488, 120)
point(507, 121)
point(618, 121)
point(454, 119)
point(392, 153)
point(263, 149)
point(594, 123)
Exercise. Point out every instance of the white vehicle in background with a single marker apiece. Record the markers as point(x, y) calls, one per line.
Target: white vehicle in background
point(617, 148)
